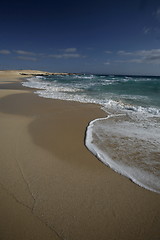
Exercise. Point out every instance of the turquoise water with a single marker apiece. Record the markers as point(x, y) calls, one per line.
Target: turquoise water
point(128, 139)
point(137, 91)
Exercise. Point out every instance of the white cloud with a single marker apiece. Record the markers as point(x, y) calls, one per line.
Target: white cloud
point(134, 60)
point(56, 55)
point(157, 13)
point(71, 55)
point(70, 50)
point(122, 52)
point(145, 53)
point(108, 52)
point(22, 52)
point(142, 56)
point(26, 58)
point(107, 63)
point(66, 55)
point(5, 51)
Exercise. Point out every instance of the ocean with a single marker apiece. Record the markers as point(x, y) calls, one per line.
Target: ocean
point(128, 139)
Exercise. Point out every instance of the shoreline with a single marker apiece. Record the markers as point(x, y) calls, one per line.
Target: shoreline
point(136, 175)
point(55, 183)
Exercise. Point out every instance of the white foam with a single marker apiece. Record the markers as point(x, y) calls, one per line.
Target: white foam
point(120, 106)
point(139, 176)
point(40, 77)
point(84, 76)
point(54, 90)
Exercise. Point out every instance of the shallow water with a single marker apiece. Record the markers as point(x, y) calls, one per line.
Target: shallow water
point(127, 147)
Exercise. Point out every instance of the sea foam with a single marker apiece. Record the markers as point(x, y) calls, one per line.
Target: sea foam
point(127, 149)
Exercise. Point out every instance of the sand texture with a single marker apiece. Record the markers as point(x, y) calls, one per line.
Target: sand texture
point(51, 186)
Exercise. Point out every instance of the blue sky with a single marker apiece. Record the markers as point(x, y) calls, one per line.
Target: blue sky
point(109, 37)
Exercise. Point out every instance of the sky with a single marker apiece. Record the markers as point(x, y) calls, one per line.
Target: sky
point(104, 37)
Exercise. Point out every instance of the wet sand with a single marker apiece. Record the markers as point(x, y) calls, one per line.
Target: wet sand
point(51, 186)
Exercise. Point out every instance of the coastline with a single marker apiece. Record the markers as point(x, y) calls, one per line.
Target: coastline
point(50, 180)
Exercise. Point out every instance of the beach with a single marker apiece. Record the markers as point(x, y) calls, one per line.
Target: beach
point(51, 186)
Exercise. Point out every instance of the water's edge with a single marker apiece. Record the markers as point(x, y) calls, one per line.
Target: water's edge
point(105, 159)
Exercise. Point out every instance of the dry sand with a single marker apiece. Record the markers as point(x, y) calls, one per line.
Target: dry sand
point(51, 186)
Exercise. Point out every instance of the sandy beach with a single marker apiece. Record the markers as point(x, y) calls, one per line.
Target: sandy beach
point(51, 186)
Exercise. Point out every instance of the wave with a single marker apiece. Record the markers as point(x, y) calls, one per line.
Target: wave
point(101, 137)
point(89, 92)
point(120, 106)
